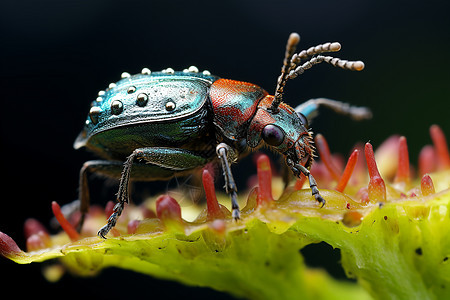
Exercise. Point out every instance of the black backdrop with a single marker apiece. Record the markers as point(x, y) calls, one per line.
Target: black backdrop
point(56, 55)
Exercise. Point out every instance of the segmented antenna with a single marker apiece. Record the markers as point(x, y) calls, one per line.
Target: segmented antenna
point(291, 45)
point(319, 49)
point(341, 63)
point(292, 68)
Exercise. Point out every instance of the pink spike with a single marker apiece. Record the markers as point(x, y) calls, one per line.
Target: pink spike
point(403, 174)
point(427, 160)
point(109, 208)
point(359, 172)
point(426, 185)
point(440, 144)
point(147, 213)
point(8, 246)
point(33, 226)
point(132, 226)
point(351, 163)
point(37, 241)
point(65, 225)
point(300, 182)
point(168, 208)
point(325, 156)
point(377, 187)
point(264, 179)
point(363, 194)
point(36, 235)
point(213, 207)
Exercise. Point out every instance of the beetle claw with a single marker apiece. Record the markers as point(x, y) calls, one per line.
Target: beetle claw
point(320, 199)
point(236, 214)
point(103, 231)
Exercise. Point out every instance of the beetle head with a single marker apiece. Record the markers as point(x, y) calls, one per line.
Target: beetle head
point(284, 131)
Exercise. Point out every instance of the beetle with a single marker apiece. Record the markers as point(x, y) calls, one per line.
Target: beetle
point(155, 125)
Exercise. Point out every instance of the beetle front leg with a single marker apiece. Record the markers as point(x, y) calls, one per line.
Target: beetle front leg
point(296, 169)
point(225, 154)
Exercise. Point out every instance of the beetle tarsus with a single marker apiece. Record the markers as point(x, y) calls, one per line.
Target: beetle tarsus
point(317, 196)
point(297, 169)
point(104, 231)
point(236, 213)
point(112, 220)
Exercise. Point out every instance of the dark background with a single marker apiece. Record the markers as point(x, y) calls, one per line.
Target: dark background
point(56, 55)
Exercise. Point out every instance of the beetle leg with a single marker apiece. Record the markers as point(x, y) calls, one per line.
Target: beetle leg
point(172, 159)
point(286, 174)
point(122, 194)
point(310, 109)
point(109, 168)
point(296, 169)
point(226, 153)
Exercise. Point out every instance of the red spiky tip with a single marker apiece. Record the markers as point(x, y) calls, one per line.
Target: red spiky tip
point(213, 207)
point(65, 225)
point(132, 226)
point(37, 241)
point(147, 213)
point(325, 156)
point(363, 194)
point(264, 179)
point(33, 226)
point(403, 174)
point(167, 208)
point(426, 185)
point(36, 234)
point(8, 246)
point(109, 208)
point(427, 160)
point(300, 182)
point(440, 143)
point(377, 187)
point(351, 163)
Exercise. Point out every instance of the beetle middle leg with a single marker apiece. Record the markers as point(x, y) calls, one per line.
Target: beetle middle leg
point(225, 154)
point(165, 159)
point(310, 109)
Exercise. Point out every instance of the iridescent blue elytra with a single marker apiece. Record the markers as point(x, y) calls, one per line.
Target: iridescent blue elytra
point(153, 126)
point(148, 110)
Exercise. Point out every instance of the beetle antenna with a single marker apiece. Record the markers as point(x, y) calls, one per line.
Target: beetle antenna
point(341, 63)
point(319, 49)
point(291, 45)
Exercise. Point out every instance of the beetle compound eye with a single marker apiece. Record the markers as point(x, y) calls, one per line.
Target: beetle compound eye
point(142, 99)
point(303, 119)
point(273, 135)
point(170, 105)
point(116, 107)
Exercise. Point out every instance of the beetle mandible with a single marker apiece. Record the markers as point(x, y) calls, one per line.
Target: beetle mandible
point(155, 125)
